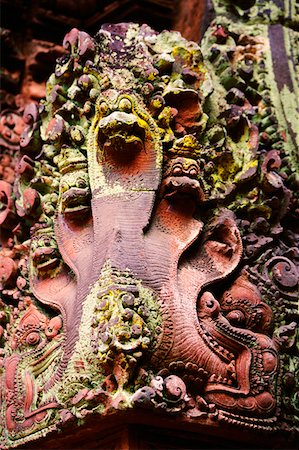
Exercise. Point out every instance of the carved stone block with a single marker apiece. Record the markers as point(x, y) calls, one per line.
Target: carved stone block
point(135, 270)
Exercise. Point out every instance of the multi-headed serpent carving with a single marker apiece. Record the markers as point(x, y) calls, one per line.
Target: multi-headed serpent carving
point(128, 280)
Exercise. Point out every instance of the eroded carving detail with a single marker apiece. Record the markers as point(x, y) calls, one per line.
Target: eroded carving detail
point(127, 256)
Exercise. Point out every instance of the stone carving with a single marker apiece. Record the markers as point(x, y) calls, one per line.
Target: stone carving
point(123, 278)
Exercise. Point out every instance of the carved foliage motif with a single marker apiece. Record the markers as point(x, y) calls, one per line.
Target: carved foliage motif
point(122, 277)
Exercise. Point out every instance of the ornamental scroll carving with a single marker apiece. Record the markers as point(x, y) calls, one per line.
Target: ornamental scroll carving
point(131, 276)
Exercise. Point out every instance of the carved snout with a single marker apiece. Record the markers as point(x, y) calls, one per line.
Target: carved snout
point(121, 130)
point(45, 258)
point(75, 199)
point(182, 185)
point(208, 306)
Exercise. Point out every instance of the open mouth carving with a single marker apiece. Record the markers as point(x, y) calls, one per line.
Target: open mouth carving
point(120, 132)
point(71, 164)
point(71, 159)
point(45, 258)
point(183, 186)
point(75, 201)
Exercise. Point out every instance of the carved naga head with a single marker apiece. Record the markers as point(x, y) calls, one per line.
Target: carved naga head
point(119, 135)
point(125, 158)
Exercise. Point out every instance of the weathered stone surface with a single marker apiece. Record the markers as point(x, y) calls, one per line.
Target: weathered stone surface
point(149, 255)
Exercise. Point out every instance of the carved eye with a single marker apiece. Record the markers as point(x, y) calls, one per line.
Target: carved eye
point(33, 338)
point(46, 241)
point(104, 108)
point(193, 171)
point(210, 303)
point(125, 105)
point(236, 317)
point(128, 299)
point(41, 242)
point(64, 186)
point(177, 170)
point(81, 183)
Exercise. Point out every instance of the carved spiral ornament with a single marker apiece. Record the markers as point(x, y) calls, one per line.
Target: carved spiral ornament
point(283, 272)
